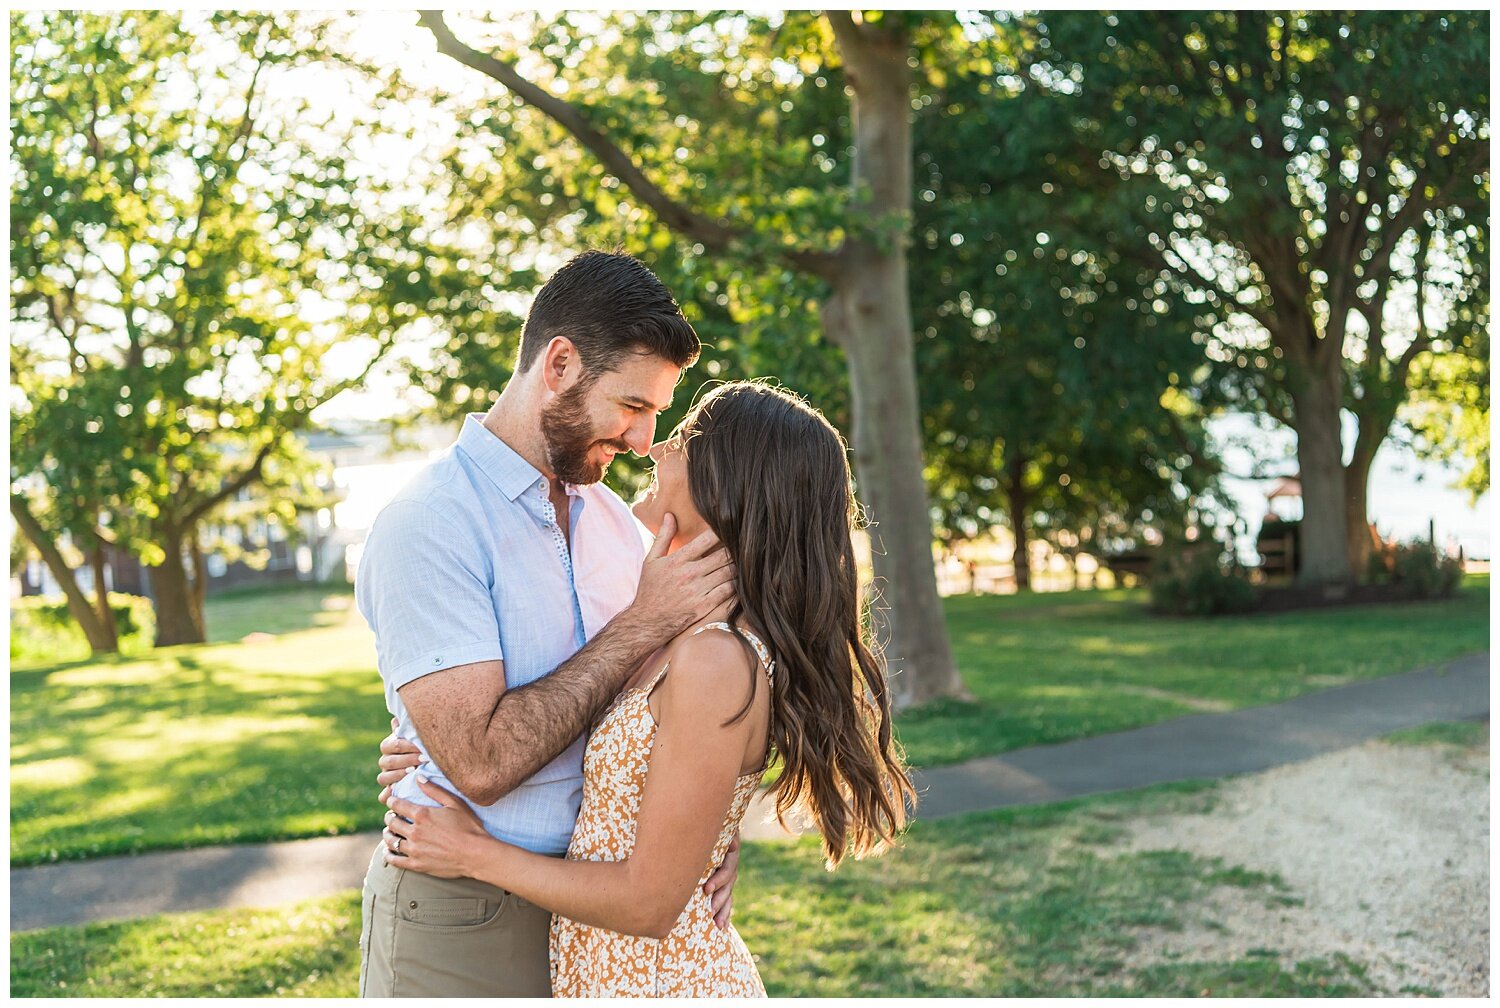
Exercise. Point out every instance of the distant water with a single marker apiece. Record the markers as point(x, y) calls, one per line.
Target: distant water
point(1405, 492)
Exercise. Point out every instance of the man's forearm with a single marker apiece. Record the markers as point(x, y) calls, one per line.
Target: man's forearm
point(530, 725)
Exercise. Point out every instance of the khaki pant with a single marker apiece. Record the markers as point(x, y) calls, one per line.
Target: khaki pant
point(430, 937)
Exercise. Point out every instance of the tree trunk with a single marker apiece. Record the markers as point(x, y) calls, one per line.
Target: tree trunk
point(200, 580)
point(1015, 503)
point(101, 596)
point(1374, 424)
point(177, 621)
point(1357, 517)
point(1323, 542)
point(101, 641)
point(869, 315)
point(888, 467)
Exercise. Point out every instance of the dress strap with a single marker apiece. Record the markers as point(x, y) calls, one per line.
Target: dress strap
point(761, 650)
point(651, 684)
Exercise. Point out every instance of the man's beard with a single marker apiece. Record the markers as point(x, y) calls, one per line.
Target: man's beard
point(569, 437)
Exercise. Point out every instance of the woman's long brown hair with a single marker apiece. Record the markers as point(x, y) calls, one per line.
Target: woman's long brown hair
point(770, 475)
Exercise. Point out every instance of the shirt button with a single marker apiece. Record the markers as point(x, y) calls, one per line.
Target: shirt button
point(437, 661)
point(542, 485)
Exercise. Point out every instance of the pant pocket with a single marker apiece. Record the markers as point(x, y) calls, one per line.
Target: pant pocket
point(451, 911)
point(458, 938)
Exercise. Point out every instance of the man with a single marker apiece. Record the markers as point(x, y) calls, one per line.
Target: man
point(507, 593)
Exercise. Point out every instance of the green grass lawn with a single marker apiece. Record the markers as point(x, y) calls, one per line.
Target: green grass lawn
point(1464, 734)
point(1053, 667)
point(200, 744)
point(1024, 902)
point(275, 737)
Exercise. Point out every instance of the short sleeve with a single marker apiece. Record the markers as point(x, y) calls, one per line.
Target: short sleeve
point(423, 588)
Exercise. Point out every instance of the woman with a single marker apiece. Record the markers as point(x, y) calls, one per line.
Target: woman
point(671, 767)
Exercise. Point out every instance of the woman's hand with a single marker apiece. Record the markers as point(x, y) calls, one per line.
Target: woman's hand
point(435, 841)
point(398, 757)
point(719, 886)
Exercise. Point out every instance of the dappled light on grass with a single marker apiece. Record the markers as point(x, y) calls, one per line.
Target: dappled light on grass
point(279, 612)
point(310, 950)
point(200, 743)
point(1102, 644)
point(63, 772)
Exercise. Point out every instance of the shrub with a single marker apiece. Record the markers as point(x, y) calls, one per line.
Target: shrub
point(43, 630)
point(1418, 565)
point(1201, 580)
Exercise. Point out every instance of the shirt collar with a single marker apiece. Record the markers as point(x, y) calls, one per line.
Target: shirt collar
point(498, 460)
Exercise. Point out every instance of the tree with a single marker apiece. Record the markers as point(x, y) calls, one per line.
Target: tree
point(1054, 390)
point(1319, 183)
point(1448, 416)
point(77, 513)
point(730, 200)
point(190, 254)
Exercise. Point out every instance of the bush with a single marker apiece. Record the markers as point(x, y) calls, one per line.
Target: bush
point(1419, 566)
point(1201, 580)
point(43, 630)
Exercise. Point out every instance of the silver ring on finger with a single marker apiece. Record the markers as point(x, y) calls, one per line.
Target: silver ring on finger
point(396, 847)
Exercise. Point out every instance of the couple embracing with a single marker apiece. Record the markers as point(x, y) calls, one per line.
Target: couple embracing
point(583, 708)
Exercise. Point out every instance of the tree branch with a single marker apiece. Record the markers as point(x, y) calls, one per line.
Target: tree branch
point(46, 545)
point(253, 471)
point(1423, 339)
point(1278, 260)
point(1374, 313)
point(1181, 268)
point(1388, 237)
point(1338, 253)
point(70, 335)
point(209, 187)
point(685, 221)
point(249, 475)
point(849, 36)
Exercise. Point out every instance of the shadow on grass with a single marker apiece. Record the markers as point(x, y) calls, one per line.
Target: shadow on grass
point(309, 950)
point(196, 761)
point(231, 617)
point(278, 611)
point(194, 745)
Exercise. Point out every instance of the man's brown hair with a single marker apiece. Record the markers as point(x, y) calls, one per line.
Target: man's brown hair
point(609, 305)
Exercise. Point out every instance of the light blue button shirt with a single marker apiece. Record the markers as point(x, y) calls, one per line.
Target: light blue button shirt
point(468, 564)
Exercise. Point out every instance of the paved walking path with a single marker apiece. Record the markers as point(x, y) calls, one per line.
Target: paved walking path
point(1197, 746)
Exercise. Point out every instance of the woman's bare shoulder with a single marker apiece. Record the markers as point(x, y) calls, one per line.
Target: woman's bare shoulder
point(710, 668)
point(712, 648)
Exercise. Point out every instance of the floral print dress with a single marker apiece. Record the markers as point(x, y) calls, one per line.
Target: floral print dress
point(696, 959)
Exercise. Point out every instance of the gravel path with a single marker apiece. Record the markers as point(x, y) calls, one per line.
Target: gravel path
point(1386, 845)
